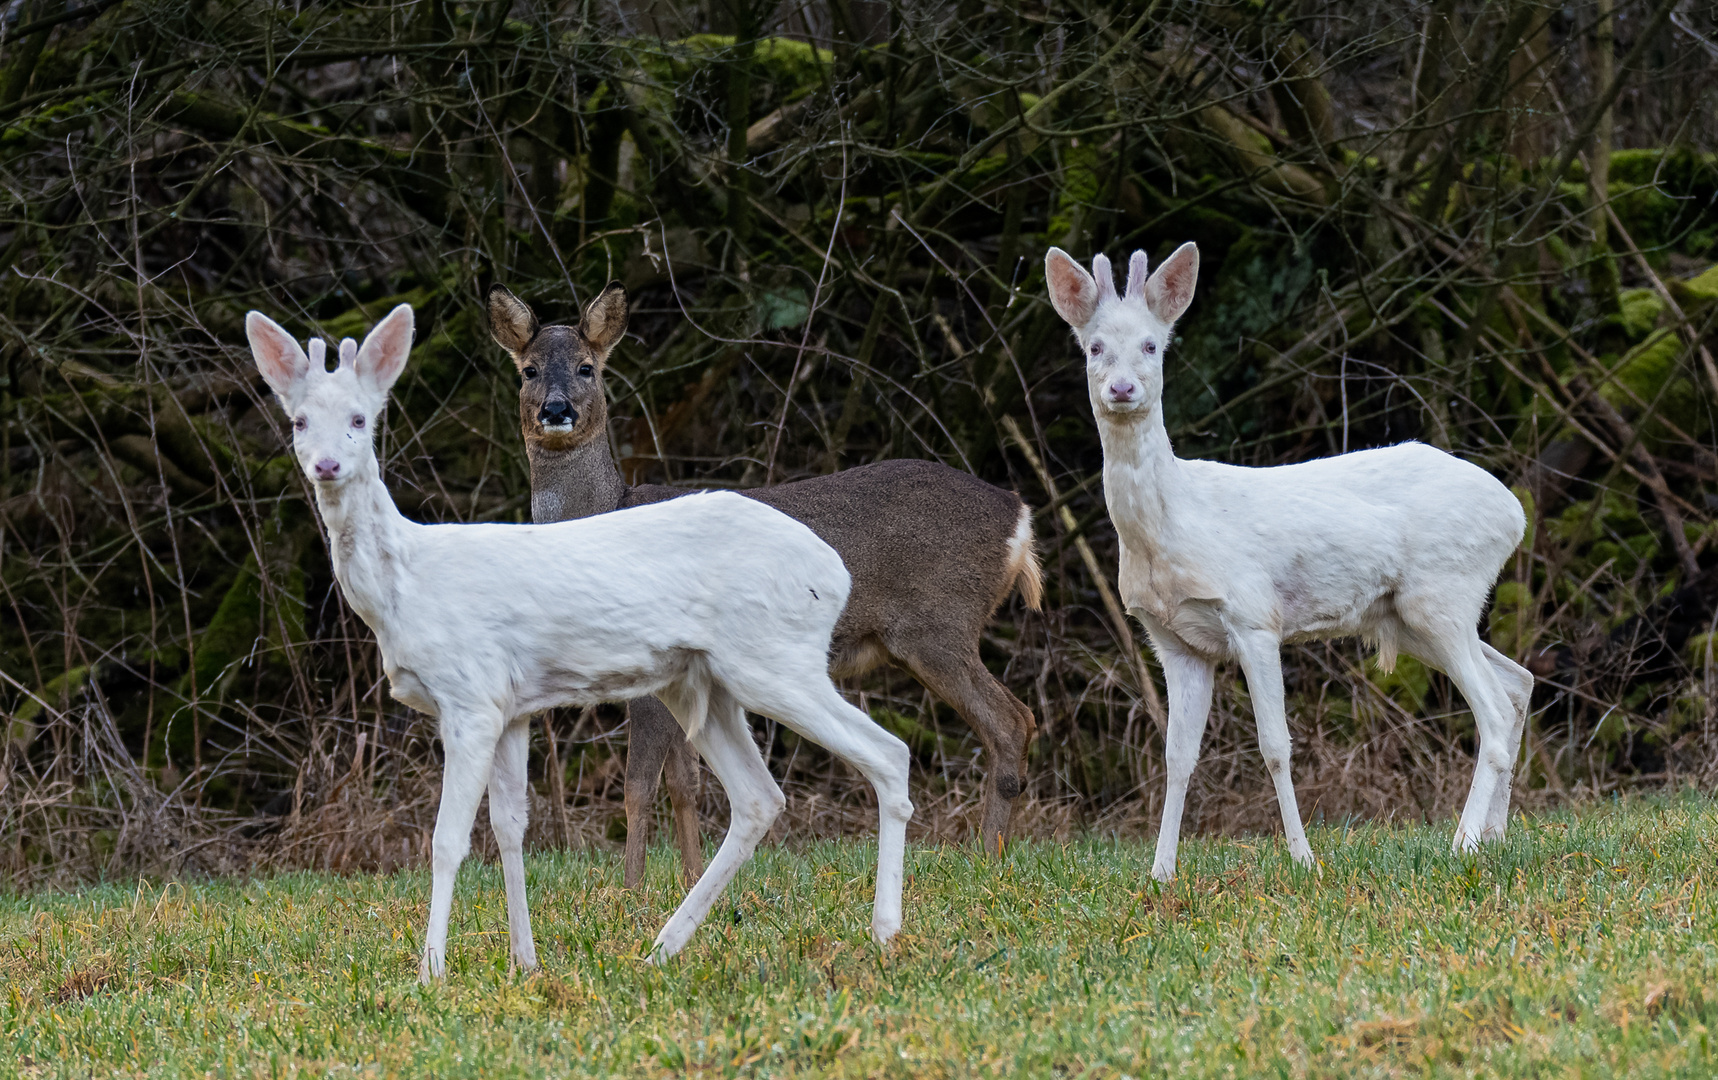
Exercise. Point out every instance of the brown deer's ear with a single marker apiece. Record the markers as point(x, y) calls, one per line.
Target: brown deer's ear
point(512, 323)
point(1170, 289)
point(1073, 293)
point(605, 319)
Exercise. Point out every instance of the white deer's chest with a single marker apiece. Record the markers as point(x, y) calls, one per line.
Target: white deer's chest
point(406, 688)
point(1183, 603)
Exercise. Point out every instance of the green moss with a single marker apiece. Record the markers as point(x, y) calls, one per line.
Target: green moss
point(1083, 170)
point(921, 739)
point(20, 731)
point(53, 122)
point(289, 606)
point(1616, 514)
point(1528, 510)
point(1666, 198)
point(1408, 685)
point(1260, 280)
point(1679, 168)
point(231, 634)
point(1698, 648)
point(1629, 553)
point(1560, 250)
point(1511, 616)
point(1695, 291)
point(357, 321)
point(1653, 371)
point(1640, 311)
point(789, 69)
point(795, 66)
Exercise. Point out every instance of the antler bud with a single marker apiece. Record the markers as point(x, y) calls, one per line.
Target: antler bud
point(1105, 278)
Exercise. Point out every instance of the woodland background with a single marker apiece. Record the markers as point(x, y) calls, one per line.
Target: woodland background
point(1487, 224)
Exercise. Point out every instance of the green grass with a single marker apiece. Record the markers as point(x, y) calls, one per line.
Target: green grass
point(1584, 946)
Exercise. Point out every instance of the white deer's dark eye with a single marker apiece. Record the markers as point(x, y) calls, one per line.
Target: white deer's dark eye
point(1097, 348)
point(299, 423)
point(1150, 348)
point(357, 420)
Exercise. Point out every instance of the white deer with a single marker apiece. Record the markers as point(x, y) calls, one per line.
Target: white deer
point(1399, 546)
point(714, 603)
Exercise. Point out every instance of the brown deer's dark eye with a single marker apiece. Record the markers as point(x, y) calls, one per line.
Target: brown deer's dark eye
point(357, 420)
point(585, 370)
point(530, 371)
point(299, 423)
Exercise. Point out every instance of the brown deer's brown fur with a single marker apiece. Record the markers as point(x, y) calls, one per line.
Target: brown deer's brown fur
point(933, 553)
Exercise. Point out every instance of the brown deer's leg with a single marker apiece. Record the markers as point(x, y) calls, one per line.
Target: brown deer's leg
point(1000, 720)
point(654, 741)
point(652, 734)
point(683, 785)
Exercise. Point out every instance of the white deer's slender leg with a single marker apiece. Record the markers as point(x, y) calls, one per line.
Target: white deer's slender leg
point(1188, 678)
point(469, 747)
point(1493, 715)
point(754, 802)
point(1517, 684)
point(883, 760)
point(1260, 654)
point(509, 807)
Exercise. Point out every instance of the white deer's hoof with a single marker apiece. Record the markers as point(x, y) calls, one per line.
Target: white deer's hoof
point(431, 969)
point(663, 950)
point(882, 930)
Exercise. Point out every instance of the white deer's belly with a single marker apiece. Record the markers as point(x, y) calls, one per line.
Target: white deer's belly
point(589, 678)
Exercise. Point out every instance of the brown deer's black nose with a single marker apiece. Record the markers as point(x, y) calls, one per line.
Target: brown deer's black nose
point(558, 414)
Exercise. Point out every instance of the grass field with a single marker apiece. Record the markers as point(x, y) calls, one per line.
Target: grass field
point(1587, 946)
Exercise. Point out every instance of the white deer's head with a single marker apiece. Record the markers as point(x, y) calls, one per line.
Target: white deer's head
point(1123, 336)
point(333, 412)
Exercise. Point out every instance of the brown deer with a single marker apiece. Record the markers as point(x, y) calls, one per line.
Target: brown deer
point(933, 553)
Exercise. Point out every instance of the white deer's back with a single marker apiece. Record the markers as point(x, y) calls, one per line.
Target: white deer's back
point(597, 608)
point(1310, 548)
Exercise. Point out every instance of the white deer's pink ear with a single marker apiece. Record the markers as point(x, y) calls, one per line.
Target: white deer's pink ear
point(1073, 293)
point(282, 363)
point(1136, 276)
point(383, 355)
point(1170, 290)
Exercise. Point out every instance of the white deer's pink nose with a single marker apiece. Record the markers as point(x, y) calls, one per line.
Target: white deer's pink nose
point(1121, 390)
point(327, 469)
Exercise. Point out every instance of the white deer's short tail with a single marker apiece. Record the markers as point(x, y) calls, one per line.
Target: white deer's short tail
point(1385, 638)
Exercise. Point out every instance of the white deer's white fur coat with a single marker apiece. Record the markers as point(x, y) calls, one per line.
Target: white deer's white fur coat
point(715, 603)
point(1399, 546)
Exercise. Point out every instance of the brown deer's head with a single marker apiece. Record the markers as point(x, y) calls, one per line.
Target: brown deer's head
point(561, 402)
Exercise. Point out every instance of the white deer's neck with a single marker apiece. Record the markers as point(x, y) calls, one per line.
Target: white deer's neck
point(366, 537)
point(1142, 480)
